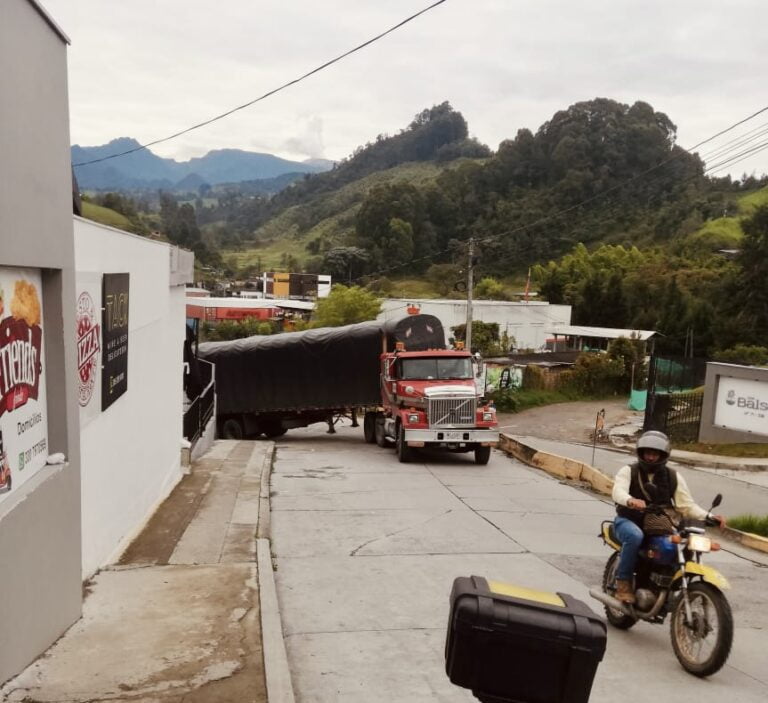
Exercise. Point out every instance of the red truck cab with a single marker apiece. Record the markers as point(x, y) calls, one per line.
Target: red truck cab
point(431, 399)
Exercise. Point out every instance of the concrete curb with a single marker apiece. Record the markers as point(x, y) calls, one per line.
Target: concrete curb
point(277, 672)
point(276, 669)
point(573, 470)
point(262, 530)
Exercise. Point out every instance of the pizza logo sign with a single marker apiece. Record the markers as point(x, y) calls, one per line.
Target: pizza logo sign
point(88, 347)
point(21, 339)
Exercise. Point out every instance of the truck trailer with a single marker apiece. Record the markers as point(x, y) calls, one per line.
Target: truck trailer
point(412, 390)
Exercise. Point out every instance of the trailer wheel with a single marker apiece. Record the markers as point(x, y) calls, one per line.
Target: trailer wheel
point(232, 428)
point(369, 427)
point(404, 452)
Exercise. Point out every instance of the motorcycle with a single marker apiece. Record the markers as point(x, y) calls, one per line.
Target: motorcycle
point(671, 581)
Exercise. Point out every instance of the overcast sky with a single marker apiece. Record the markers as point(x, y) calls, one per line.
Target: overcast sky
point(148, 68)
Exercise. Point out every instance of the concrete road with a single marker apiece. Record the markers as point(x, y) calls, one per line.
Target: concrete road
point(367, 549)
point(739, 497)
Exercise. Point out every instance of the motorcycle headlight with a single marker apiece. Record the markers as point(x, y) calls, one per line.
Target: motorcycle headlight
point(699, 543)
point(413, 417)
point(488, 417)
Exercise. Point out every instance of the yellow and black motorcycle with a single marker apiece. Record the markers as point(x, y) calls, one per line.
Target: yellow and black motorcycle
point(670, 580)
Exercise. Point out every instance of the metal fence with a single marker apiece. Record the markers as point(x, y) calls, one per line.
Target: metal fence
point(200, 410)
point(678, 415)
point(672, 405)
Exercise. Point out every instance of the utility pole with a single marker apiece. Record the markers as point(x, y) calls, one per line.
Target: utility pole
point(470, 283)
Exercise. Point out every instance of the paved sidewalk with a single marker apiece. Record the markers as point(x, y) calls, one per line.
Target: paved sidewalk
point(177, 621)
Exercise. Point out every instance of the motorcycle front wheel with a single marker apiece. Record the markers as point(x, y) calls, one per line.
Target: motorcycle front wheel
point(702, 646)
point(615, 617)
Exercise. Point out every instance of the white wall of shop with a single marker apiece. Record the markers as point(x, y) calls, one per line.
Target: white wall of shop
point(529, 323)
point(131, 451)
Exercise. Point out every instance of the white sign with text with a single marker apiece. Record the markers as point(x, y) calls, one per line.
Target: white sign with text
point(742, 405)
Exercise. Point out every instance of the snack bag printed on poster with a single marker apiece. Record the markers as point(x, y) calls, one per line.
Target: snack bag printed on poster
point(23, 422)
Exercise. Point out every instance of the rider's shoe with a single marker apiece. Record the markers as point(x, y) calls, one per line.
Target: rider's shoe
point(624, 592)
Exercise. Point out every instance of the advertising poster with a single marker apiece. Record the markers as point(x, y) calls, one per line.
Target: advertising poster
point(114, 321)
point(742, 404)
point(88, 336)
point(23, 419)
point(502, 377)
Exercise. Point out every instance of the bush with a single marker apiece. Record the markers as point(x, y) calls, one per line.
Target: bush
point(534, 378)
point(743, 354)
point(594, 375)
point(505, 400)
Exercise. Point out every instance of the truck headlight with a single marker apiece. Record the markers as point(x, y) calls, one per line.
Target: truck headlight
point(488, 417)
point(413, 417)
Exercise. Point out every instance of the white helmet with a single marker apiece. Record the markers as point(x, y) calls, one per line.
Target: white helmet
point(657, 441)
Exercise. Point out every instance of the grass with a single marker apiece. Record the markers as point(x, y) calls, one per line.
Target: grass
point(756, 524)
point(105, 216)
point(750, 450)
point(749, 202)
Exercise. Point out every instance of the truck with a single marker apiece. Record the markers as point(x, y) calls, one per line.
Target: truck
point(412, 391)
point(430, 399)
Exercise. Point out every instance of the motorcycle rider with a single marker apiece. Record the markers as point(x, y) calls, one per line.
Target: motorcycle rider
point(670, 490)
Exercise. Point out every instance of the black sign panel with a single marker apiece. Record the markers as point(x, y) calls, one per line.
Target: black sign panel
point(114, 371)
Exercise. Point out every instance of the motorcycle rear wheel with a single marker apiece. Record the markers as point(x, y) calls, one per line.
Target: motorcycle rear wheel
point(712, 618)
point(618, 619)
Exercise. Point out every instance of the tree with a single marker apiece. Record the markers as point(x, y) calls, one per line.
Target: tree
point(490, 289)
point(345, 263)
point(752, 295)
point(345, 306)
point(630, 353)
point(485, 338)
point(744, 354)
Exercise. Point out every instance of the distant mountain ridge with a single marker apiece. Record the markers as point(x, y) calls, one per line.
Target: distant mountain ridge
point(143, 169)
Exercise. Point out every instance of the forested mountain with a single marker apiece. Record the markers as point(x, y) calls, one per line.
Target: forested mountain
point(143, 169)
point(597, 171)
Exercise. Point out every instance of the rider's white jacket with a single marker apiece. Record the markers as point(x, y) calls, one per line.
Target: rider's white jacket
point(684, 502)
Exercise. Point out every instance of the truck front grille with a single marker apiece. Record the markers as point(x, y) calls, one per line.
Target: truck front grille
point(451, 412)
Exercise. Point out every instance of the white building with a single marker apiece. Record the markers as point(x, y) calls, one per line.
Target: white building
point(527, 322)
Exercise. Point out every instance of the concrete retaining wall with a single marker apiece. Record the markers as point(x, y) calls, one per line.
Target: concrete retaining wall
point(572, 470)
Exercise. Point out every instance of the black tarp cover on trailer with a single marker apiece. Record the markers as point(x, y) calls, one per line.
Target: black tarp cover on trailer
point(328, 367)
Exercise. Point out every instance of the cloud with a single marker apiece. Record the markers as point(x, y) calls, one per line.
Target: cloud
point(310, 142)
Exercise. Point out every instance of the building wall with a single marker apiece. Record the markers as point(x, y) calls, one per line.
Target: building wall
point(528, 323)
point(131, 451)
point(754, 381)
point(40, 522)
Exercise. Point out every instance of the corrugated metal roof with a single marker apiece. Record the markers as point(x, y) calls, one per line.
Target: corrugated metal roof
point(51, 22)
point(600, 332)
point(252, 303)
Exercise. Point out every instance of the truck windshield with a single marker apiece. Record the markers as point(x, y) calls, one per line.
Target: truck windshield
point(441, 367)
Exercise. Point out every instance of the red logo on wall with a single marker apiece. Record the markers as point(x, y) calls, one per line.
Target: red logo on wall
point(88, 347)
point(21, 340)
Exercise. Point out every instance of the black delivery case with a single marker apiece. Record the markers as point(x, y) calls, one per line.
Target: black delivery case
point(512, 644)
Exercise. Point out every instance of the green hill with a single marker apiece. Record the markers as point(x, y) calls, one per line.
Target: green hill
point(725, 232)
point(105, 216)
point(333, 214)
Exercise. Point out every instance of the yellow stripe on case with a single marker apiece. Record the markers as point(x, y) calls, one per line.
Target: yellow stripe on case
point(506, 589)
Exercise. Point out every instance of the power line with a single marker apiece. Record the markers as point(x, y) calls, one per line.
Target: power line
point(269, 93)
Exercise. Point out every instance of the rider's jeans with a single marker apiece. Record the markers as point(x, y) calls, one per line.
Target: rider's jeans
point(630, 536)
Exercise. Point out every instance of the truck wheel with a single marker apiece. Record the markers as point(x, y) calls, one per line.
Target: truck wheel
point(404, 452)
point(378, 427)
point(482, 455)
point(232, 428)
point(369, 427)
